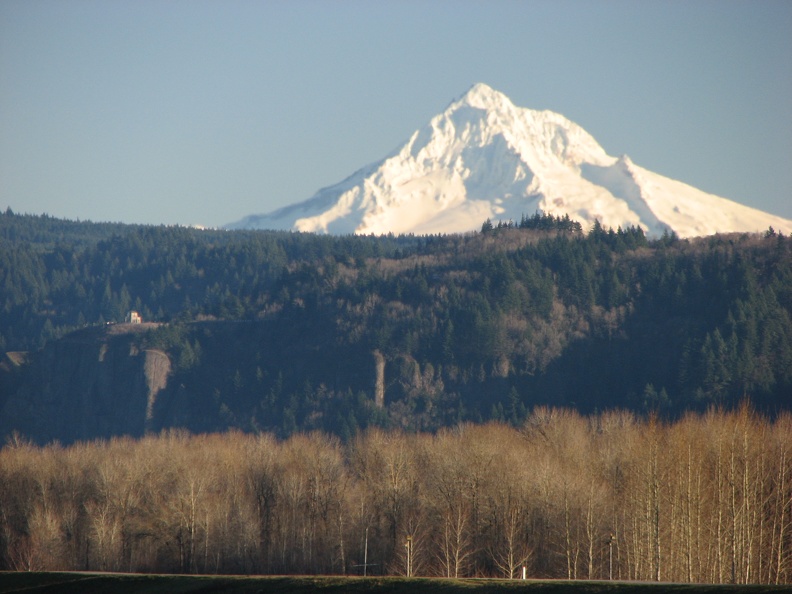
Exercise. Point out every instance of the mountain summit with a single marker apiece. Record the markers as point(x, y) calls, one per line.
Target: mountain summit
point(483, 157)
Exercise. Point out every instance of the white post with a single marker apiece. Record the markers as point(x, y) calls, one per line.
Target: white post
point(365, 555)
point(525, 571)
point(409, 555)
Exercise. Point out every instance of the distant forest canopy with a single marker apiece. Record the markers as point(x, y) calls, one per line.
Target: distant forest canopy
point(474, 327)
point(707, 498)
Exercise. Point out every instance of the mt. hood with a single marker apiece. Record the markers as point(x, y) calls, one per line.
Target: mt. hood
point(485, 158)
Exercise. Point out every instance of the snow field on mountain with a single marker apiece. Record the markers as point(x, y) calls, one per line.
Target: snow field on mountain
point(483, 157)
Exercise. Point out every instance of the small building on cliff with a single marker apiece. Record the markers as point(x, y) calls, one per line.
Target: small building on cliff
point(133, 317)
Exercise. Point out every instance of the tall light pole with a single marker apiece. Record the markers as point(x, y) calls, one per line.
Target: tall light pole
point(365, 564)
point(611, 540)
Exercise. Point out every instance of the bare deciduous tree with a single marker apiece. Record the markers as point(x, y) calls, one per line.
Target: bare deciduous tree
point(707, 498)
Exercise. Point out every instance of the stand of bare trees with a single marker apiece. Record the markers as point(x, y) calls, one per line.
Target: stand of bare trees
point(704, 499)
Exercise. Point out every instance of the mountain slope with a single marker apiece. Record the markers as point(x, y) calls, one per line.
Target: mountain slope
point(484, 157)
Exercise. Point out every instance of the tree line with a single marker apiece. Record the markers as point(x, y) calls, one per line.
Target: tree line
point(706, 498)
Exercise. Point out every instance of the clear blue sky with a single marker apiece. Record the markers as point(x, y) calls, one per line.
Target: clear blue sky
point(202, 112)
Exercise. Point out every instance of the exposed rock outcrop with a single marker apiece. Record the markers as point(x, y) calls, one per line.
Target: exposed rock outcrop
point(156, 369)
point(91, 384)
point(379, 382)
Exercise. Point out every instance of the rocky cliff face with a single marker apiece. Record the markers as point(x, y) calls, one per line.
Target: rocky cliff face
point(92, 384)
point(210, 376)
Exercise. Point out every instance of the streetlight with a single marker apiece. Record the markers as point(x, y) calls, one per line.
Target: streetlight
point(611, 540)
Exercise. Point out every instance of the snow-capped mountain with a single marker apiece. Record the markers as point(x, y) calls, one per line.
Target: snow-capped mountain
point(484, 157)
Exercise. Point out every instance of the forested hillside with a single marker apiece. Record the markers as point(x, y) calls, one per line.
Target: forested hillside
point(281, 332)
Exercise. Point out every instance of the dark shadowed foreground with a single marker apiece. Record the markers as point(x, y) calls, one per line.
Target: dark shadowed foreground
point(87, 583)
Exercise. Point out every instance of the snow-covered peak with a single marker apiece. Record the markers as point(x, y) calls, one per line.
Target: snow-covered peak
point(483, 115)
point(482, 96)
point(483, 157)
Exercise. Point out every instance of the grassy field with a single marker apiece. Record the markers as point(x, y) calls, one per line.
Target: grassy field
point(91, 583)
